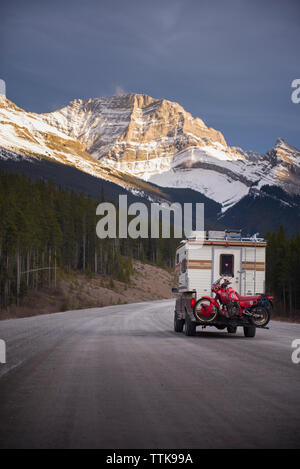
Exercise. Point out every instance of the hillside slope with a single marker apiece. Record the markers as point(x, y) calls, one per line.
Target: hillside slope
point(77, 290)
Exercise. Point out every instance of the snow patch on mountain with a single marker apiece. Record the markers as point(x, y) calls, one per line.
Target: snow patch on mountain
point(214, 185)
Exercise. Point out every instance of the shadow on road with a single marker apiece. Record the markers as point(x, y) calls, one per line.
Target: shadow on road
point(165, 333)
point(218, 335)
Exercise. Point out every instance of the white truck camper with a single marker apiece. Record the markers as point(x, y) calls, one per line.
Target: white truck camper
point(213, 260)
point(222, 253)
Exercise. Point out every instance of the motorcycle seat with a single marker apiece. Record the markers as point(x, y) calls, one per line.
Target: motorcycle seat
point(248, 298)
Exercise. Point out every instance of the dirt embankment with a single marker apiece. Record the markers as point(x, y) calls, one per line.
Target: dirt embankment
point(76, 291)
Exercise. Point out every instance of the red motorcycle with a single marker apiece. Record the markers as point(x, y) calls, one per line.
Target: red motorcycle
point(228, 304)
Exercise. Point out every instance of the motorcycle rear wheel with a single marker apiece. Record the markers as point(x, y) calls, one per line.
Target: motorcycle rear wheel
point(199, 310)
point(260, 316)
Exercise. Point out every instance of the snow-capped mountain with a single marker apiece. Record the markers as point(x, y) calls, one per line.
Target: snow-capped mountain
point(158, 141)
point(26, 136)
point(135, 139)
point(213, 172)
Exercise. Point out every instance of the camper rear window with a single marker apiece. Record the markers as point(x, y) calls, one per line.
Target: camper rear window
point(183, 266)
point(227, 265)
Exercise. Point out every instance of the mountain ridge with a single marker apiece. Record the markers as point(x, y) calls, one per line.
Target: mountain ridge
point(146, 145)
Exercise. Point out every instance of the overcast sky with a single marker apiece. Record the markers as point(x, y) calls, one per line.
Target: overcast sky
point(229, 62)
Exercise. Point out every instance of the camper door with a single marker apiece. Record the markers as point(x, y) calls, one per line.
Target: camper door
point(227, 262)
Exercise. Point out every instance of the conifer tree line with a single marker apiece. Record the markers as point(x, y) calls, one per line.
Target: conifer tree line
point(283, 272)
point(43, 227)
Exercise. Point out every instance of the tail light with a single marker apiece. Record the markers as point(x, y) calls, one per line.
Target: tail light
point(193, 301)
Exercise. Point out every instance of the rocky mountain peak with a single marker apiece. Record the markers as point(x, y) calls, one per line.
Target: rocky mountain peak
point(280, 142)
point(5, 103)
point(153, 139)
point(284, 151)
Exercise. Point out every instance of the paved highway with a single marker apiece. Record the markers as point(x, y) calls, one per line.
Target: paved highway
point(119, 377)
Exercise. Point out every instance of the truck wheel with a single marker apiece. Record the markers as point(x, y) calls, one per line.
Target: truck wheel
point(189, 327)
point(178, 323)
point(249, 331)
point(231, 329)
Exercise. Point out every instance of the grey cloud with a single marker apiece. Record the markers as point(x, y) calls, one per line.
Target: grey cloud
point(230, 63)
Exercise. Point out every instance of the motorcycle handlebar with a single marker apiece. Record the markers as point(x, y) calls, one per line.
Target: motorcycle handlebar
point(225, 282)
